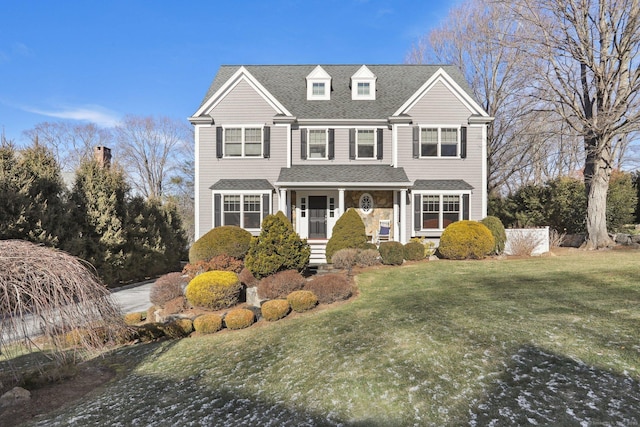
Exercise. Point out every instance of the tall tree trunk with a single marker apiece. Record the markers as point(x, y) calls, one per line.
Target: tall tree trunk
point(596, 178)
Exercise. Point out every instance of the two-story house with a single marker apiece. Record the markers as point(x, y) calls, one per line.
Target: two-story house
point(403, 143)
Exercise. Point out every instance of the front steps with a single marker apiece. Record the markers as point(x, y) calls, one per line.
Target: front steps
point(318, 250)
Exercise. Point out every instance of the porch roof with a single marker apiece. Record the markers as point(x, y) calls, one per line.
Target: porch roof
point(441, 185)
point(242, 184)
point(343, 175)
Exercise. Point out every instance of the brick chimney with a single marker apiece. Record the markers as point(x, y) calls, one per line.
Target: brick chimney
point(102, 156)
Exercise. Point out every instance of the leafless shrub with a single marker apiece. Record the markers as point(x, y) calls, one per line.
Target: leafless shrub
point(368, 257)
point(167, 287)
point(522, 243)
point(330, 288)
point(49, 292)
point(345, 258)
point(556, 238)
point(280, 284)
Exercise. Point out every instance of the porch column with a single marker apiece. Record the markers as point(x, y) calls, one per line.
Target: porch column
point(283, 202)
point(403, 216)
point(340, 202)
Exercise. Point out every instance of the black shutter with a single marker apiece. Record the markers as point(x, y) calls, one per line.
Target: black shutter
point(465, 206)
point(265, 205)
point(217, 210)
point(463, 142)
point(219, 142)
point(417, 213)
point(380, 141)
point(266, 142)
point(416, 142)
point(352, 144)
point(332, 144)
point(303, 144)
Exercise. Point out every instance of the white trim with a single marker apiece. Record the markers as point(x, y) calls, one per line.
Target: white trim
point(371, 207)
point(375, 143)
point(443, 77)
point(318, 76)
point(363, 75)
point(439, 144)
point(326, 143)
point(403, 216)
point(241, 193)
point(241, 74)
point(439, 193)
point(484, 177)
point(196, 181)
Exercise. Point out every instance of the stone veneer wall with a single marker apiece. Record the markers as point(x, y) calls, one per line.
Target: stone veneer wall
point(382, 209)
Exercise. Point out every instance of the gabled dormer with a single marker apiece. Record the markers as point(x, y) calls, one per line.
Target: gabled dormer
point(318, 85)
point(363, 84)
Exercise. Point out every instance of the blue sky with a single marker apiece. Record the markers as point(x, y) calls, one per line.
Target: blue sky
point(95, 61)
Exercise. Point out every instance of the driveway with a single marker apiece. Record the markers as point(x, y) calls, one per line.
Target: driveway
point(133, 298)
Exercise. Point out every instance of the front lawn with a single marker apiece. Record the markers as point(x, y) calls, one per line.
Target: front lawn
point(549, 340)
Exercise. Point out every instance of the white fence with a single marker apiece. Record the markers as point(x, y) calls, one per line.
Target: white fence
point(538, 238)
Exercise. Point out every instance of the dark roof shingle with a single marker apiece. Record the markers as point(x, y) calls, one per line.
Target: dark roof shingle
point(343, 174)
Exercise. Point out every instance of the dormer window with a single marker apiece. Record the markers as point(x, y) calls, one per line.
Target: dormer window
point(318, 84)
point(363, 84)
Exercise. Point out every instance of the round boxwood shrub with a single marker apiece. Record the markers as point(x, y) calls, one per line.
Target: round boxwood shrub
point(392, 253)
point(413, 251)
point(207, 323)
point(226, 240)
point(214, 290)
point(494, 225)
point(466, 240)
point(302, 300)
point(349, 232)
point(275, 309)
point(239, 318)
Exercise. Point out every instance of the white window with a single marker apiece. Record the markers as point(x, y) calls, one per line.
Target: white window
point(364, 88)
point(317, 89)
point(243, 142)
point(317, 144)
point(366, 143)
point(439, 142)
point(440, 210)
point(243, 210)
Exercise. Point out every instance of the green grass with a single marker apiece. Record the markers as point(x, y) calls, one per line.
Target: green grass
point(553, 340)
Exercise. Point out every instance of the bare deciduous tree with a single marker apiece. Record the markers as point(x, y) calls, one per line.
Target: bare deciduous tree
point(70, 143)
point(151, 150)
point(585, 57)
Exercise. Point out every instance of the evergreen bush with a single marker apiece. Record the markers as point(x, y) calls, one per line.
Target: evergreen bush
point(392, 253)
point(349, 232)
point(466, 240)
point(214, 290)
point(413, 251)
point(302, 300)
point(239, 318)
point(277, 248)
point(207, 323)
point(497, 231)
point(275, 309)
point(227, 240)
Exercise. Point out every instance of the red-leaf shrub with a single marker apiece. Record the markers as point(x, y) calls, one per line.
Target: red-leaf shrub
point(167, 288)
point(330, 288)
point(280, 284)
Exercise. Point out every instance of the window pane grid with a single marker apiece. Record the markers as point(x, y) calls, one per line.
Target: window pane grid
point(318, 89)
point(364, 88)
point(317, 143)
point(366, 143)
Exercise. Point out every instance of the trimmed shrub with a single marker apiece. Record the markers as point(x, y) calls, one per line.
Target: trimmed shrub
point(329, 288)
point(151, 313)
point(247, 278)
point(466, 240)
point(275, 309)
point(349, 232)
point(280, 284)
point(368, 257)
point(302, 300)
point(345, 258)
point(392, 253)
point(277, 248)
point(174, 306)
point(133, 318)
point(167, 287)
point(239, 318)
point(497, 231)
point(207, 323)
point(227, 240)
point(214, 290)
point(413, 251)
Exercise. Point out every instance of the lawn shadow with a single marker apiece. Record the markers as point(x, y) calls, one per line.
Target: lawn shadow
point(542, 388)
